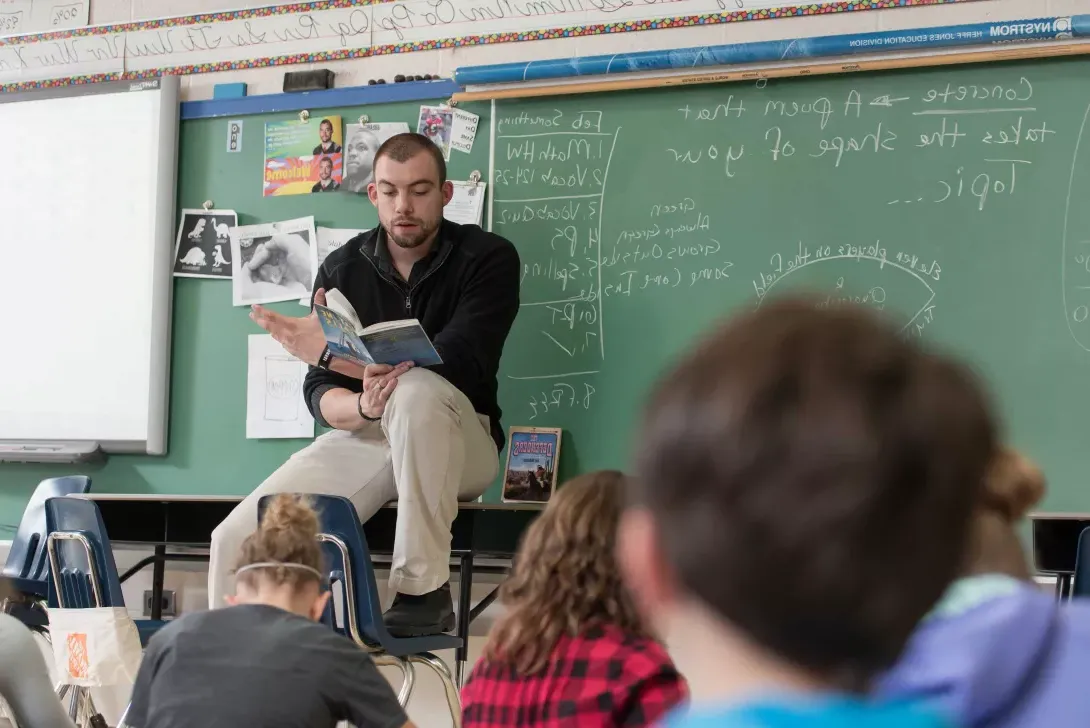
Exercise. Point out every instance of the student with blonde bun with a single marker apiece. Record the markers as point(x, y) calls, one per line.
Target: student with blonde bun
point(997, 651)
point(265, 660)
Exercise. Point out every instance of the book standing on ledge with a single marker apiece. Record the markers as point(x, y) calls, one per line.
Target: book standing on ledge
point(533, 454)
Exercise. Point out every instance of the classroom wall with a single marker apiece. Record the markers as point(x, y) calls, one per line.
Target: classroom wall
point(443, 62)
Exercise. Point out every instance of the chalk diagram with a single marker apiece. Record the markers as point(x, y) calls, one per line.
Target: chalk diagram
point(282, 396)
point(870, 276)
point(1075, 267)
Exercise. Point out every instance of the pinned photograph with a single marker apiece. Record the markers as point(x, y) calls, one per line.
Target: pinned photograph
point(203, 248)
point(435, 123)
point(533, 457)
point(326, 182)
point(303, 157)
point(273, 262)
point(361, 143)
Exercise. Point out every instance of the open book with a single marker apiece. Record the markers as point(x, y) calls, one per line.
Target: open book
point(390, 342)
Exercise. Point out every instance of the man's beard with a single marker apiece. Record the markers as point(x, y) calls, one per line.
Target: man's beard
point(423, 232)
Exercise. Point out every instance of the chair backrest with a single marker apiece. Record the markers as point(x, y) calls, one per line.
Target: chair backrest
point(78, 538)
point(348, 561)
point(1080, 585)
point(27, 556)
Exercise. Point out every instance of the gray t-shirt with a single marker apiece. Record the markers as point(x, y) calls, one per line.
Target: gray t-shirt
point(256, 665)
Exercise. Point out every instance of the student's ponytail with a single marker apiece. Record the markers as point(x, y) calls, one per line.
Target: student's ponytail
point(284, 549)
point(1013, 486)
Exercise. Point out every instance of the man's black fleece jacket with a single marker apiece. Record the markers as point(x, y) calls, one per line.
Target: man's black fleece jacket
point(465, 294)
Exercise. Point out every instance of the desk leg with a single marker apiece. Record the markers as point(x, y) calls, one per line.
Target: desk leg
point(465, 596)
point(1063, 587)
point(158, 576)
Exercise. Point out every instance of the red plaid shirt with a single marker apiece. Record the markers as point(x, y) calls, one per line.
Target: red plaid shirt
point(602, 678)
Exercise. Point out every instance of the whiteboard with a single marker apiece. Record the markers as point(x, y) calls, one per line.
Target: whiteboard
point(87, 210)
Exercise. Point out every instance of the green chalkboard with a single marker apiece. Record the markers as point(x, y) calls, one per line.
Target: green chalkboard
point(209, 452)
point(941, 196)
point(956, 198)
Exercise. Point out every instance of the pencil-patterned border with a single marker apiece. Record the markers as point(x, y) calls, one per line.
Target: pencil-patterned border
point(796, 10)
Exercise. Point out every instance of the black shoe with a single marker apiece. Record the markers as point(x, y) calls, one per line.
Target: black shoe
point(420, 616)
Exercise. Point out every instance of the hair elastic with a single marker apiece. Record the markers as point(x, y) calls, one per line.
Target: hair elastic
point(276, 565)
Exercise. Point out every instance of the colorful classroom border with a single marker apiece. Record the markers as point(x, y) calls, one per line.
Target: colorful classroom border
point(791, 10)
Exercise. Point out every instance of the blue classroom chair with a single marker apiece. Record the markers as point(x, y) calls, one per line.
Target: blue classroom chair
point(348, 561)
point(1080, 585)
point(27, 568)
point(83, 574)
point(82, 571)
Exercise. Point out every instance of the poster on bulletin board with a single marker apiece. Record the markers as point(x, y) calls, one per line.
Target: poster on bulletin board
point(303, 157)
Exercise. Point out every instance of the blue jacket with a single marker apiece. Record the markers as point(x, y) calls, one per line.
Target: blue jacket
point(1009, 657)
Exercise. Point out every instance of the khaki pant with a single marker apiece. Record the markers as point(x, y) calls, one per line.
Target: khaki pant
point(430, 451)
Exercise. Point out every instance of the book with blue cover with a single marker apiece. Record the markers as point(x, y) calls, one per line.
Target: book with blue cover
point(389, 342)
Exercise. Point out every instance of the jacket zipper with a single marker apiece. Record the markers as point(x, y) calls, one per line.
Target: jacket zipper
point(409, 294)
point(409, 298)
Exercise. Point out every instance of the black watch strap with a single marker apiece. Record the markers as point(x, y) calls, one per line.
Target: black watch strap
point(359, 408)
point(325, 359)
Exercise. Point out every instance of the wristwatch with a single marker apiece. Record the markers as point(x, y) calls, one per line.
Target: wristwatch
point(325, 359)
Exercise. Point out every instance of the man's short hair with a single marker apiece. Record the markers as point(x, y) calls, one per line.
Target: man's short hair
point(326, 159)
point(811, 475)
point(324, 122)
point(403, 147)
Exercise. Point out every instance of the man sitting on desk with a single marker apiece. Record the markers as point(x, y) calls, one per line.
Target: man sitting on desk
point(426, 438)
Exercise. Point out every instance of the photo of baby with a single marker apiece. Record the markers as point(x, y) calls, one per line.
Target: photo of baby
point(272, 262)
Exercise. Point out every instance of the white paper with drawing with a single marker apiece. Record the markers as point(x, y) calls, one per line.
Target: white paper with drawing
point(272, 262)
point(274, 392)
point(466, 207)
point(329, 239)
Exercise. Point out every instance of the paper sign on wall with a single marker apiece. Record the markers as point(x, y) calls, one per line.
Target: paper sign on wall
point(463, 130)
point(274, 392)
point(234, 135)
point(466, 207)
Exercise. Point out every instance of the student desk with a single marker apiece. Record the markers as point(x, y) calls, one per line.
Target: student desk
point(480, 530)
point(1055, 540)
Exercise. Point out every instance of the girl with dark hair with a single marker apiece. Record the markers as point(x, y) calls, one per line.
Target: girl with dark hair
point(265, 660)
point(571, 649)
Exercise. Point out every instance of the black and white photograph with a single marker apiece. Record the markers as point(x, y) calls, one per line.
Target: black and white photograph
point(273, 262)
point(203, 249)
point(361, 143)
